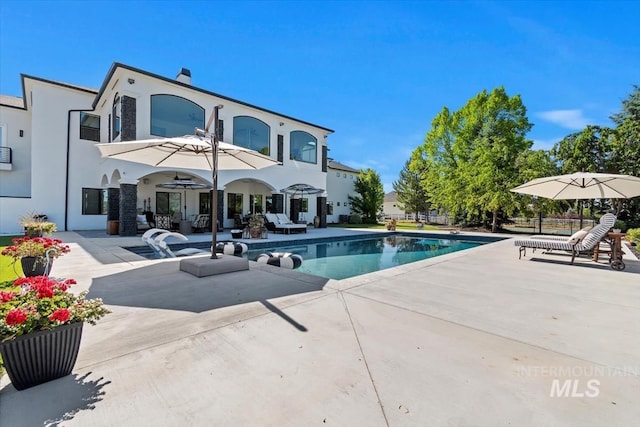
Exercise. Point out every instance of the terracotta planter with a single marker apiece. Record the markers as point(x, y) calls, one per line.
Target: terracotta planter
point(41, 356)
point(35, 266)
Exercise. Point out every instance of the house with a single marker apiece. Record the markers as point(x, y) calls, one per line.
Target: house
point(340, 185)
point(49, 164)
point(391, 208)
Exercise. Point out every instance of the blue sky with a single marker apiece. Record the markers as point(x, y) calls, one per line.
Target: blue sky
point(376, 72)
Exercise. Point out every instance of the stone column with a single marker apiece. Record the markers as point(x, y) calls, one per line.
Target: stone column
point(321, 211)
point(296, 207)
point(128, 118)
point(113, 201)
point(128, 208)
point(277, 200)
point(220, 213)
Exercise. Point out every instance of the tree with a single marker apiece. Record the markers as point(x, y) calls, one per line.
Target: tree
point(626, 151)
point(626, 144)
point(470, 156)
point(411, 194)
point(589, 150)
point(370, 198)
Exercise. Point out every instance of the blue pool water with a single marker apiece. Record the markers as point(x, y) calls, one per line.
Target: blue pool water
point(349, 258)
point(340, 258)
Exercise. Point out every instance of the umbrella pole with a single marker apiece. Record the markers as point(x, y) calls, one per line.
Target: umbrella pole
point(214, 195)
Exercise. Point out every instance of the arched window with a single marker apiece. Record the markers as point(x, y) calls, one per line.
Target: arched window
point(115, 117)
point(251, 133)
point(303, 147)
point(175, 116)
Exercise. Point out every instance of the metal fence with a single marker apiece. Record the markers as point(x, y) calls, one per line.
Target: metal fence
point(560, 226)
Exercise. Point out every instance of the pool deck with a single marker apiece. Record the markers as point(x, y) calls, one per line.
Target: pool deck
point(476, 337)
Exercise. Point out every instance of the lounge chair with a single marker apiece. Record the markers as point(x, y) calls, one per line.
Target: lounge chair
point(573, 244)
point(281, 222)
point(155, 239)
point(168, 253)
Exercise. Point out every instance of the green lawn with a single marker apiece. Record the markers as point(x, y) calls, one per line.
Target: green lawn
point(6, 268)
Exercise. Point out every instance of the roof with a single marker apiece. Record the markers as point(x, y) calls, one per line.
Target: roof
point(336, 165)
point(391, 197)
point(11, 101)
point(117, 65)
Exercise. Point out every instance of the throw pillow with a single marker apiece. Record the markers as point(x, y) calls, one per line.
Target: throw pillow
point(577, 236)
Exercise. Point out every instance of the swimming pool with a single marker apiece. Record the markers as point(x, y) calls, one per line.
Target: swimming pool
point(341, 258)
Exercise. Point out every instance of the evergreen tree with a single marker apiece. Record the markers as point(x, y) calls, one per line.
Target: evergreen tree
point(411, 194)
point(370, 198)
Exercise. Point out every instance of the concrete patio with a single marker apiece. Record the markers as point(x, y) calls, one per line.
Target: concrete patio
point(477, 337)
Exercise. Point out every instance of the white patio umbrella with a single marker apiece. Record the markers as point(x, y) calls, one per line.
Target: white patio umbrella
point(301, 188)
point(189, 152)
point(583, 185)
point(184, 184)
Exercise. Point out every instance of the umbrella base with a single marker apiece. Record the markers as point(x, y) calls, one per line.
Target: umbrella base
point(203, 266)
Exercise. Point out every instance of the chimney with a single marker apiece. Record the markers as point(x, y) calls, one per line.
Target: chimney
point(184, 76)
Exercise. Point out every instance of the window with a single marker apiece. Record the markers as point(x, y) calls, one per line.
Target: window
point(94, 201)
point(269, 203)
point(338, 174)
point(344, 175)
point(5, 152)
point(175, 116)
point(115, 119)
point(255, 202)
point(234, 205)
point(251, 133)
point(168, 203)
point(204, 206)
point(303, 147)
point(90, 127)
point(304, 205)
point(329, 208)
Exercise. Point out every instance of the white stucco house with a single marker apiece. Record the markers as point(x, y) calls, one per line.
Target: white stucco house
point(49, 163)
point(340, 185)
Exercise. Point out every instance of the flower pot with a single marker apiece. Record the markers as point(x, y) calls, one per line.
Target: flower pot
point(35, 266)
point(41, 356)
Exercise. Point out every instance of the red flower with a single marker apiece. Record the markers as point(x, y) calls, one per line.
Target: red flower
point(6, 296)
point(61, 315)
point(16, 317)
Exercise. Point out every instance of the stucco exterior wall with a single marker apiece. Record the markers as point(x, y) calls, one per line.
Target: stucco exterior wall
point(40, 157)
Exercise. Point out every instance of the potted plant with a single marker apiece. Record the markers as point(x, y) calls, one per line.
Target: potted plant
point(36, 225)
point(41, 326)
point(36, 254)
point(256, 222)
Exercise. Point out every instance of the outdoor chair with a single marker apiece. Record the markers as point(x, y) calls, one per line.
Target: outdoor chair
point(166, 252)
point(201, 223)
point(574, 244)
point(282, 223)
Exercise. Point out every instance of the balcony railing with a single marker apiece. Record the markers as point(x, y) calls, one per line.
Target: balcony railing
point(5, 155)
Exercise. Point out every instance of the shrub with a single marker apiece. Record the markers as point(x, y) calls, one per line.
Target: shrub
point(621, 225)
point(355, 219)
point(633, 234)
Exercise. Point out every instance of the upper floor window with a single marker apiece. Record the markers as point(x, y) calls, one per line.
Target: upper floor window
point(115, 115)
point(303, 147)
point(251, 133)
point(175, 116)
point(90, 127)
